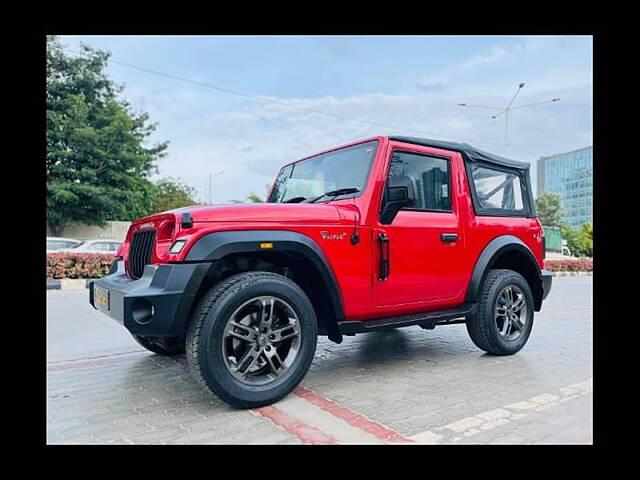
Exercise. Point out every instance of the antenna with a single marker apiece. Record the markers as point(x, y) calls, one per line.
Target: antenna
point(355, 238)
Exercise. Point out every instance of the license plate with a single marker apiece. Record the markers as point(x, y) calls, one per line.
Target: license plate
point(101, 296)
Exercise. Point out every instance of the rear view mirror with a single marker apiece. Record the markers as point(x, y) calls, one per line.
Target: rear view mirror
point(400, 192)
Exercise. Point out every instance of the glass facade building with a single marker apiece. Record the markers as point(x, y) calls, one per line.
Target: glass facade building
point(569, 175)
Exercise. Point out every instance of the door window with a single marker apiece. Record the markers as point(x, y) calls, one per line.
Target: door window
point(431, 178)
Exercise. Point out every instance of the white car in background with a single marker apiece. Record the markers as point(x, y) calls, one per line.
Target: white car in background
point(99, 245)
point(55, 244)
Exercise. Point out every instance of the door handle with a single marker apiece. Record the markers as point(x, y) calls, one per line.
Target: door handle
point(449, 237)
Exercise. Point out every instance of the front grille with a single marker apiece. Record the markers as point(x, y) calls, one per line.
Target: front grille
point(140, 252)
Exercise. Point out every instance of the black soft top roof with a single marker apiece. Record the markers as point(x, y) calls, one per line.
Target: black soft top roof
point(467, 150)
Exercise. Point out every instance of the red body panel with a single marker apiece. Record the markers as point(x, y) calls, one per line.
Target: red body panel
point(426, 273)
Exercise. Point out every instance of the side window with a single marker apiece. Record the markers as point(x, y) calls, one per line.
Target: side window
point(431, 177)
point(497, 190)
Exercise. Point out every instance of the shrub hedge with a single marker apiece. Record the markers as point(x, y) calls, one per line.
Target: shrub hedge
point(569, 265)
point(95, 265)
point(78, 265)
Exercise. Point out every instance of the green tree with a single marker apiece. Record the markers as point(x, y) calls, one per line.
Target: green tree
point(97, 159)
point(579, 242)
point(253, 198)
point(585, 239)
point(570, 235)
point(549, 209)
point(169, 193)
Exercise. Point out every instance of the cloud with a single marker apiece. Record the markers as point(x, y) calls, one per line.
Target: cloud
point(252, 144)
point(434, 86)
point(496, 54)
point(249, 140)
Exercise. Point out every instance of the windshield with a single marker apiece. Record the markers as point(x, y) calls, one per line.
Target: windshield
point(345, 168)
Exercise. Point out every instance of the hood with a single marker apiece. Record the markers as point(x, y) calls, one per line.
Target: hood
point(263, 212)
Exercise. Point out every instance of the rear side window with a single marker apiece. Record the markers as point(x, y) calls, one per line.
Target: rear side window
point(498, 191)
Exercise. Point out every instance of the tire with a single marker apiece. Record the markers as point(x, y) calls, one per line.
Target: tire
point(168, 346)
point(493, 328)
point(223, 358)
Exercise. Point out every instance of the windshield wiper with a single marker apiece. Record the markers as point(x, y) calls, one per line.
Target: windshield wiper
point(336, 193)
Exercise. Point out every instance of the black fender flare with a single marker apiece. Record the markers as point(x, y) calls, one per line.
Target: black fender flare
point(216, 245)
point(491, 252)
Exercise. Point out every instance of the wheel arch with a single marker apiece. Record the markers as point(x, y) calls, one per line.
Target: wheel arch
point(292, 254)
point(509, 252)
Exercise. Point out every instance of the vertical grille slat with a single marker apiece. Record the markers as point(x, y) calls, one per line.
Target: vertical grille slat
point(140, 252)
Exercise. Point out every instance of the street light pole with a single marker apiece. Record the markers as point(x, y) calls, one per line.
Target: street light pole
point(506, 133)
point(506, 110)
point(211, 175)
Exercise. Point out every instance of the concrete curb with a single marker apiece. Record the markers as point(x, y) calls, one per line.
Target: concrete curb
point(69, 283)
point(572, 274)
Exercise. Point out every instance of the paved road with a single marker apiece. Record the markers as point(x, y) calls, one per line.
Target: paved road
point(408, 385)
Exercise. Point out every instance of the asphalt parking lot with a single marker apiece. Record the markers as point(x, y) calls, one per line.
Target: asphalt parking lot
point(400, 387)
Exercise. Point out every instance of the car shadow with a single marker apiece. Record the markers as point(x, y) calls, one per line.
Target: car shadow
point(364, 358)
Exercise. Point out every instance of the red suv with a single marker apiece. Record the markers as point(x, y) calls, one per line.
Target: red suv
point(382, 233)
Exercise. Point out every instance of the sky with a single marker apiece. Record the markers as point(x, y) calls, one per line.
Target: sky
point(405, 85)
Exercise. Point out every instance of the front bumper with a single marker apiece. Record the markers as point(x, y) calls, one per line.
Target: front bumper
point(546, 277)
point(157, 304)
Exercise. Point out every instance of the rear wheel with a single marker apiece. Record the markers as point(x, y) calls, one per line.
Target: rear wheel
point(168, 346)
point(504, 317)
point(252, 338)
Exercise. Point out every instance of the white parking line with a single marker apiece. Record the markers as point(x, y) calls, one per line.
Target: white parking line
point(469, 426)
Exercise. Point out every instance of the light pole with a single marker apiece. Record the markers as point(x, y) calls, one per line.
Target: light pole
point(211, 175)
point(506, 110)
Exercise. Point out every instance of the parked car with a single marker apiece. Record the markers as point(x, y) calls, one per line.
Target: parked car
point(383, 233)
point(99, 245)
point(59, 243)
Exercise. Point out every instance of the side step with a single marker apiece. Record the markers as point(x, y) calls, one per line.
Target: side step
point(426, 320)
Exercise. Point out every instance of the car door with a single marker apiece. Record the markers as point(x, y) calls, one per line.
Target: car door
point(423, 245)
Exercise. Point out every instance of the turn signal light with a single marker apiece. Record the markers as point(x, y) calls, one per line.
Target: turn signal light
point(177, 246)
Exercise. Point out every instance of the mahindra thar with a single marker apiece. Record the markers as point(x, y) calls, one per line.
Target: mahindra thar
point(378, 234)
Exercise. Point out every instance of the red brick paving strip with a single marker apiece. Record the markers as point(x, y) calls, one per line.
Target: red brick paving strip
point(352, 418)
point(306, 433)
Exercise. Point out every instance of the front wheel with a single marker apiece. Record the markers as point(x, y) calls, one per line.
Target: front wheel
point(504, 317)
point(252, 339)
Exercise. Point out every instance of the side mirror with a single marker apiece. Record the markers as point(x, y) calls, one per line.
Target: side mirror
point(399, 193)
